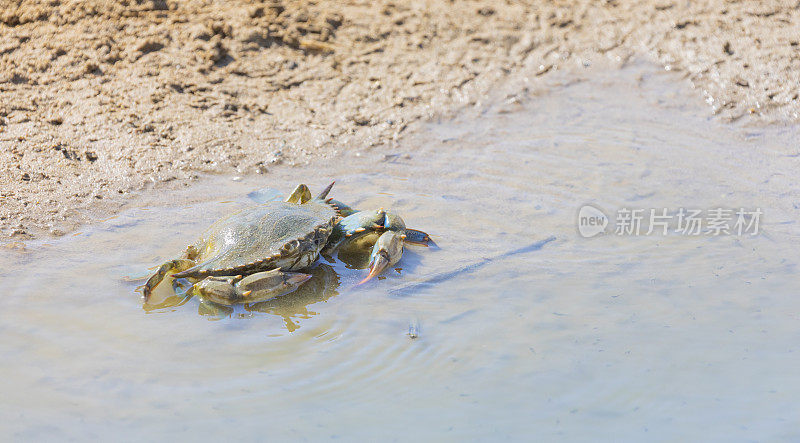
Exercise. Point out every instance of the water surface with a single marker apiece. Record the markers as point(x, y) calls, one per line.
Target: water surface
point(523, 328)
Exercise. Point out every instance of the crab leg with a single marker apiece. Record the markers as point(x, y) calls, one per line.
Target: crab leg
point(364, 222)
point(176, 265)
point(419, 238)
point(250, 289)
point(343, 209)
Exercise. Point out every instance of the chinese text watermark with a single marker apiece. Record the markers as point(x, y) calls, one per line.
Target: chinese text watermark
point(593, 221)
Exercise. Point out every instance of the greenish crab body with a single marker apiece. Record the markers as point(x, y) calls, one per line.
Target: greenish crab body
point(274, 235)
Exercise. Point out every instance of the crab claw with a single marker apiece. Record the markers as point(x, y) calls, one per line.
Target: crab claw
point(163, 271)
point(229, 290)
point(376, 265)
point(387, 251)
point(419, 238)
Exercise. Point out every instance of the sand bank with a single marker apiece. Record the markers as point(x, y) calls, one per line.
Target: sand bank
point(102, 99)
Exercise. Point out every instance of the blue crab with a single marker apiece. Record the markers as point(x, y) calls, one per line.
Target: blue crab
point(254, 254)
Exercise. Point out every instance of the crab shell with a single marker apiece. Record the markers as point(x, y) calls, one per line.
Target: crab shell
point(274, 235)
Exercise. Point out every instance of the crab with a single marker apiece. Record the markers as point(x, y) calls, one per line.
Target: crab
point(253, 255)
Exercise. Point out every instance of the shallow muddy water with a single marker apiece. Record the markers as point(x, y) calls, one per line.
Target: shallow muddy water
point(523, 327)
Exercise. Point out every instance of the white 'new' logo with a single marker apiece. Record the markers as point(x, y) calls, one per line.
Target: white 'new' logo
point(591, 221)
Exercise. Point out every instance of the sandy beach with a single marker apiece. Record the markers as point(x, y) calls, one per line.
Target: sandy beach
point(100, 100)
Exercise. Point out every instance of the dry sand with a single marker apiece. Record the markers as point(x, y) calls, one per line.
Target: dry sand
point(99, 99)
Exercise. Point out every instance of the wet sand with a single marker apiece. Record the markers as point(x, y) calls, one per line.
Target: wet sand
point(101, 100)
